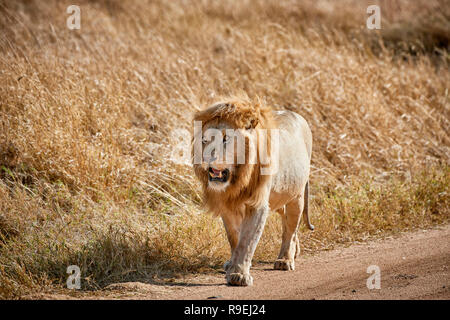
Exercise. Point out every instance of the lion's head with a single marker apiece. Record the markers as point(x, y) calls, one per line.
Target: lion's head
point(226, 152)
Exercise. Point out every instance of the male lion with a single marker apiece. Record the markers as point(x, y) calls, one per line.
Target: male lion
point(240, 191)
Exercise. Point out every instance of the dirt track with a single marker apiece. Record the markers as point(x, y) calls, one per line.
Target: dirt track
point(413, 266)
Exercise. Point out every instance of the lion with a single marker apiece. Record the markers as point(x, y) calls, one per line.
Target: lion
point(241, 192)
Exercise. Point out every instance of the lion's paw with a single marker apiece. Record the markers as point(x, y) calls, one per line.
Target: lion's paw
point(239, 279)
point(282, 264)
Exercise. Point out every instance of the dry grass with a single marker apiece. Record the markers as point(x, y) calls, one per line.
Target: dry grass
point(87, 120)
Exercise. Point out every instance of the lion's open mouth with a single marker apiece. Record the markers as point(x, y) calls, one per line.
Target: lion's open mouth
point(218, 175)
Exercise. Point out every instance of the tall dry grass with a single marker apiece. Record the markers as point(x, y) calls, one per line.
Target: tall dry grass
point(87, 120)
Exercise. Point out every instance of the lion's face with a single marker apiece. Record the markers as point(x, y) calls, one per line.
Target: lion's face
point(224, 154)
point(227, 154)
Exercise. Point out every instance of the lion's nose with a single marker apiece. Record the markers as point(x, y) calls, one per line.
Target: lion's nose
point(210, 159)
point(215, 163)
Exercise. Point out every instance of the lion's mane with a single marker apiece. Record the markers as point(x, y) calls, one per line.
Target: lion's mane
point(247, 185)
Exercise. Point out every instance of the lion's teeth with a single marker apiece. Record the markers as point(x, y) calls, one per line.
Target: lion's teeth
point(216, 174)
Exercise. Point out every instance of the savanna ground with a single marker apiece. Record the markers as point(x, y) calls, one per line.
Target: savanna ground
point(88, 119)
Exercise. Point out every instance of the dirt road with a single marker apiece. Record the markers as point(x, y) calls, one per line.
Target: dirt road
point(412, 266)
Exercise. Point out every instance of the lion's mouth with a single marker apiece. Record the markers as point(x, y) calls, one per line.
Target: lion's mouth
point(218, 175)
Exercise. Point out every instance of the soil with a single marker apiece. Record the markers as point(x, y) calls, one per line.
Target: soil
point(413, 265)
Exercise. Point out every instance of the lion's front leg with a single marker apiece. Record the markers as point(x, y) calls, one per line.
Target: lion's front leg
point(238, 273)
point(232, 223)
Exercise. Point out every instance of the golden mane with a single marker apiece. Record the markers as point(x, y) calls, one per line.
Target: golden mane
point(248, 183)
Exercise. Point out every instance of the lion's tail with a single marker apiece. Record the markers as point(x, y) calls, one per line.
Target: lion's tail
point(306, 208)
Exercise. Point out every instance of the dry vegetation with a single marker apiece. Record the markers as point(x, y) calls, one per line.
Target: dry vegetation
point(87, 120)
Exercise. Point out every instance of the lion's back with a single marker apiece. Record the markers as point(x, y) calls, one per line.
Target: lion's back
point(295, 147)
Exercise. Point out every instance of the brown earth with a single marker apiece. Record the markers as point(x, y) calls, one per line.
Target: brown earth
point(414, 265)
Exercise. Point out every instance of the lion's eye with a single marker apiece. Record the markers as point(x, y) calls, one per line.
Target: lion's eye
point(204, 140)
